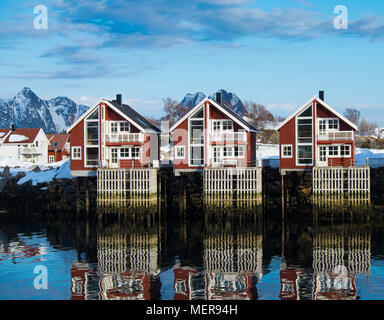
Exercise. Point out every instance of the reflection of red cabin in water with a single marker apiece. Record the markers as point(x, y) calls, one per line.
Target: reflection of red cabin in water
point(328, 286)
point(230, 286)
point(316, 135)
point(131, 285)
point(112, 135)
point(212, 135)
point(18, 249)
point(288, 282)
point(183, 283)
point(80, 280)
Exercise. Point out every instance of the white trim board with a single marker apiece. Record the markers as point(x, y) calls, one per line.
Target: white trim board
point(215, 104)
point(323, 104)
point(89, 111)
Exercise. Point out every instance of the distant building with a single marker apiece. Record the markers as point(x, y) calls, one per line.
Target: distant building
point(316, 135)
point(59, 147)
point(212, 135)
point(112, 135)
point(25, 144)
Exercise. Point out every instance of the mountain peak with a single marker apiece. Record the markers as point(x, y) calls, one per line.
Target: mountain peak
point(232, 100)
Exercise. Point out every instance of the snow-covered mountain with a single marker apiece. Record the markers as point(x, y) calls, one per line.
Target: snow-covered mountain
point(228, 98)
point(27, 110)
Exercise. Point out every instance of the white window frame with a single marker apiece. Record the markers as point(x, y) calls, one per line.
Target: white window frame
point(349, 150)
point(177, 148)
point(337, 150)
point(138, 153)
point(297, 138)
point(220, 124)
point(124, 157)
point(51, 159)
point(291, 151)
point(73, 152)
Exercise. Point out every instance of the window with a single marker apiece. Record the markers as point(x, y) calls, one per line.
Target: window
point(179, 152)
point(227, 125)
point(286, 151)
point(322, 125)
point(124, 153)
point(333, 150)
point(239, 151)
point(333, 124)
point(135, 153)
point(305, 154)
point(345, 150)
point(304, 137)
point(37, 144)
point(51, 159)
point(113, 127)
point(222, 125)
point(92, 139)
point(216, 126)
point(76, 153)
point(124, 126)
point(228, 151)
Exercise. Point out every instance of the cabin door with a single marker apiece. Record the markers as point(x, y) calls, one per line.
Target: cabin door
point(114, 158)
point(322, 156)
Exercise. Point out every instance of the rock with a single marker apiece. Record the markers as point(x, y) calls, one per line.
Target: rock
point(36, 169)
point(6, 172)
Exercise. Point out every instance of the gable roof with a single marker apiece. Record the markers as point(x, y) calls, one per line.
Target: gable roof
point(57, 141)
point(135, 116)
point(125, 111)
point(325, 105)
point(225, 109)
point(4, 132)
point(22, 135)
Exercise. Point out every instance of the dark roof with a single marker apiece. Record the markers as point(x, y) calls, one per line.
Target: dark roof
point(135, 116)
point(234, 114)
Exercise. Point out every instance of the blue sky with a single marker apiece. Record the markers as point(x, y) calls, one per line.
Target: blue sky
point(276, 52)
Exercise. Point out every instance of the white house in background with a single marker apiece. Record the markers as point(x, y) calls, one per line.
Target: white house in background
point(25, 144)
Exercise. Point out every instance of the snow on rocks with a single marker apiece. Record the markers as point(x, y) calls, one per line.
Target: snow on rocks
point(47, 175)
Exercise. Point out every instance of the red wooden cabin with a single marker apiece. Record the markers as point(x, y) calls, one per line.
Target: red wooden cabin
point(112, 135)
point(316, 135)
point(59, 147)
point(212, 135)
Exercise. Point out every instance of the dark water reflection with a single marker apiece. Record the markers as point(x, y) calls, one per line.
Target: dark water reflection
point(194, 254)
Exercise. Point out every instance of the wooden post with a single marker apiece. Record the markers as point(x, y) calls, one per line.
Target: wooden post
point(282, 196)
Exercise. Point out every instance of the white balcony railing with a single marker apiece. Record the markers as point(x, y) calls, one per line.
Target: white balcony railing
point(125, 137)
point(30, 150)
point(335, 136)
point(228, 137)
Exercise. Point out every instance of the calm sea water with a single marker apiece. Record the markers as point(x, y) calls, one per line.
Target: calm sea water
point(192, 254)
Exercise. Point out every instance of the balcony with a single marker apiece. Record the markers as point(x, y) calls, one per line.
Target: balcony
point(228, 137)
point(30, 150)
point(335, 136)
point(124, 138)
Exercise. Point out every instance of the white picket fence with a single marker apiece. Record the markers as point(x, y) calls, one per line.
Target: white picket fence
point(126, 183)
point(336, 180)
point(224, 182)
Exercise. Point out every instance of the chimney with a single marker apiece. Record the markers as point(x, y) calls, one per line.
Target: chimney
point(13, 127)
point(118, 98)
point(321, 95)
point(218, 97)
